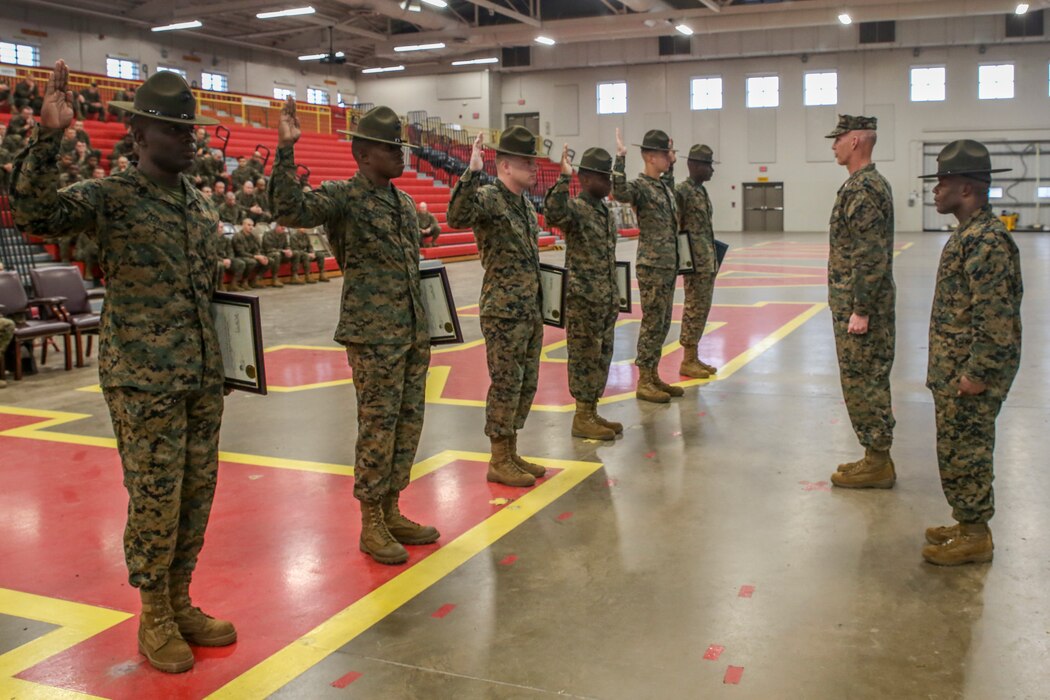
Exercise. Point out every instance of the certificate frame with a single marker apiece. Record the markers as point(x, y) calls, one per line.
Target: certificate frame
point(623, 285)
point(319, 243)
point(553, 288)
point(238, 325)
point(720, 252)
point(440, 307)
point(685, 254)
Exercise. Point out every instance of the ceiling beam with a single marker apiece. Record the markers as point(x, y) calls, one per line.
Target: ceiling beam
point(506, 12)
point(715, 7)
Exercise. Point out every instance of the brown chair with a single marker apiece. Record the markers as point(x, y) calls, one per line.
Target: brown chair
point(13, 298)
point(66, 282)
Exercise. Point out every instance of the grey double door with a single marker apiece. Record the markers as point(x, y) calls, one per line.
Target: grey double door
point(763, 206)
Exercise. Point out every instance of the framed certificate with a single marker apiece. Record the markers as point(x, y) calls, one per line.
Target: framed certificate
point(238, 325)
point(720, 251)
point(440, 307)
point(685, 254)
point(552, 292)
point(623, 285)
point(319, 243)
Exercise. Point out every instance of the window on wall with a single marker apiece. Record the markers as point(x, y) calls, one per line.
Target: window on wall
point(317, 96)
point(705, 93)
point(763, 91)
point(821, 89)
point(19, 54)
point(122, 68)
point(995, 82)
point(169, 69)
point(927, 84)
point(281, 93)
point(216, 82)
point(612, 98)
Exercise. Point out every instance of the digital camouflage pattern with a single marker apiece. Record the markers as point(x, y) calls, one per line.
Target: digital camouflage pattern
point(301, 244)
point(375, 234)
point(275, 244)
point(656, 292)
point(7, 333)
point(255, 199)
point(231, 213)
point(975, 331)
point(428, 223)
point(246, 246)
point(592, 299)
point(157, 256)
point(226, 252)
point(695, 217)
point(860, 281)
point(506, 231)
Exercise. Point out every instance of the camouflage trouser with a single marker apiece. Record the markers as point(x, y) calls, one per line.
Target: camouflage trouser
point(7, 333)
point(319, 258)
point(237, 266)
point(865, 362)
point(699, 289)
point(250, 266)
point(590, 326)
point(169, 448)
point(512, 348)
point(390, 381)
point(965, 443)
point(656, 287)
point(274, 265)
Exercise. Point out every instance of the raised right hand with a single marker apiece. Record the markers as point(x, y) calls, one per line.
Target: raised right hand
point(477, 159)
point(288, 128)
point(621, 149)
point(566, 162)
point(57, 110)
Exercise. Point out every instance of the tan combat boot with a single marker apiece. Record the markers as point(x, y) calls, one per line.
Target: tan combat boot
point(159, 638)
point(691, 366)
point(296, 279)
point(322, 276)
point(309, 279)
point(647, 390)
point(670, 390)
point(536, 470)
point(876, 471)
point(502, 467)
point(940, 535)
point(585, 424)
point(851, 466)
point(971, 545)
point(275, 281)
point(612, 425)
point(195, 626)
point(376, 540)
point(711, 369)
point(404, 530)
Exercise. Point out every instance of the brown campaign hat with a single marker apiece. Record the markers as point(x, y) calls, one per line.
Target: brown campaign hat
point(597, 160)
point(656, 140)
point(702, 154)
point(965, 157)
point(517, 141)
point(848, 123)
point(165, 96)
point(379, 124)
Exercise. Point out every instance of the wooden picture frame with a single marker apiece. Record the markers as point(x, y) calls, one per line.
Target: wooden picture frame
point(685, 254)
point(623, 286)
point(440, 307)
point(553, 289)
point(239, 327)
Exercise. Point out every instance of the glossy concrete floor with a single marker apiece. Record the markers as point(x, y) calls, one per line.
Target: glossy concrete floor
point(703, 555)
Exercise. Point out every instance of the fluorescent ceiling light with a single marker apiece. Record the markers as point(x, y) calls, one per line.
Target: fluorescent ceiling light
point(844, 18)
point(193, 24)
point(420, 47)
point(545, 40)
point(436, 3)
point(410, 6)
point(683, 29)
point(1022, 8)
point(319, 56)
point(293, 12)
point(475, 61)
point(387, 69)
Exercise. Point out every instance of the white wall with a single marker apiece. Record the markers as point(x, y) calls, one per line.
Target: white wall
point(85, 43)
point(465, 98)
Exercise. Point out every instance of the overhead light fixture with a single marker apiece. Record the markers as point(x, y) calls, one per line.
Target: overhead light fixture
point(683, 29)
point(387, 69)
point(420, 47)
point(844, 18)
point(1021, 9)
point(410, 6)
point(475, 61)
point(293, 12)
point(436, 3)
point(545, 40)
point(178, 25)
point(313, 57)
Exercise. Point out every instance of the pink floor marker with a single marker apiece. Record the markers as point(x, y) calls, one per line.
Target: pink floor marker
point(713, 652)
point(702, 414)
point(443, 610)
point(650, 455)
point(565, 516)
point(346, 680)
point(508, 560)
point(677, 433)
point(733, 675)
point(612, 482)
point(746, 591)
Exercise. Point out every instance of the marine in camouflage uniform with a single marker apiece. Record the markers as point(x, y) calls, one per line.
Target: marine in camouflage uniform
point(592, 299)
point(429, 227)
point(7, 333)
point(230, 212)
point(278, 247)
point(249, 198)
point(228, 260)
point(248, 248)
point(159, 360)
point(302, 245)
point(975, 349)
point(862, 297)
point(695, 214)
point(382, 322)
point(506, 230)
point(652, 196)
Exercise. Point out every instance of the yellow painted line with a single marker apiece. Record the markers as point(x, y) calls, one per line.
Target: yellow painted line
point(298, 657)
point(76, 622)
